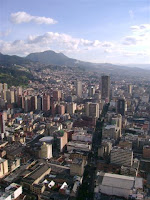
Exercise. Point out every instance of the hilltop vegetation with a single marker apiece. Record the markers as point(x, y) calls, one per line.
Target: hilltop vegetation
point(15, 75)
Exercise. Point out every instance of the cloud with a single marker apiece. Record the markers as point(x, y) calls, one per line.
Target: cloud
point(5, 33)
point(141, 27)
point(130, 40)
point(23, 17)
point(52, 40)
point(131, 14)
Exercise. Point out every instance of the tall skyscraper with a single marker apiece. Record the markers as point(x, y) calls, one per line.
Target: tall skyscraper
point(5, 86)
point(39, 102)
point(2, 123)
point(91, 90)
point(79, 89)
point(130, 89)
point(46, 102)
point(105, 88)
point(56, 95)
point(121, 106)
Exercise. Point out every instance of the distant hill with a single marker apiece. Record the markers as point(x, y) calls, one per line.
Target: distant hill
point(49, 58)
point(7, 60)
point(12, 72)
point(52, 58)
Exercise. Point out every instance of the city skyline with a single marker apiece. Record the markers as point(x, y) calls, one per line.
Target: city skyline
point(96, 31)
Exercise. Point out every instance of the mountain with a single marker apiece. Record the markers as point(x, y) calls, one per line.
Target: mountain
point(51, 58)
point(12, 70)
point(7, 60)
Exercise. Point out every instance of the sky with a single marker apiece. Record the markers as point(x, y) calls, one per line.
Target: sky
point(101, 31)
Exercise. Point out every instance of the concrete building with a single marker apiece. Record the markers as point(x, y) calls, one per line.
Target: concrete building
point(79, 89)
point(146, 151)
point(56, 95)
point(121, 106)
point(130, 89)
point(105, 88)
point(45, 151)
point(14, 190)
point(91, 90)
point(71, 107)
point(39, 103)
point(83, 146)
point(121, 156)
point(46, 102)
point(81, 136)
point(118, 185)
point(104, 149)
point(77, 167)
point(2, 123)
point(111, 131)
point(3, 167)
point(92, 109)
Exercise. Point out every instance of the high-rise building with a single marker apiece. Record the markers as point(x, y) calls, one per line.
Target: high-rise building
point(71, 107)
point(92, 109)
point(46, 102)
point(130, 89)
point(105, 88)
point(121, 106)
point(39, 103)
point(61, 109)
point(34, 103)
point(5, 86)
point(19, 90)
point(91, 90)
point(56, 95)
point(1, 87)
point(120, 156)
point(2, 123)
point(79, 89)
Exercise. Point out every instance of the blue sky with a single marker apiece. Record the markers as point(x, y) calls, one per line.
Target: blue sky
point(116, 31)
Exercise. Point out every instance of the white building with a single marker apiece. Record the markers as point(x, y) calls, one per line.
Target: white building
point(118, 185)
point(77, 145)
point(14, 189)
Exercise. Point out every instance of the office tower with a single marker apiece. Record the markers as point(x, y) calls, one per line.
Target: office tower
point(105, 88)
point(79, 89)
point(91, 90)
point(71, 107)
point(92, 109)
point(121, 156)
point(56, 95)
point(39, 103)
point(121, 106)
point(46, 102)
point(2, 123)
